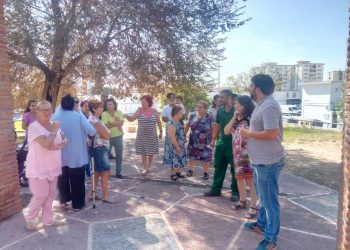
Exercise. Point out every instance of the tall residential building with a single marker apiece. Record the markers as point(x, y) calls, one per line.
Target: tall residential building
point(336, 75)
point(307, 71)
point(288, 78)
point(283, 75)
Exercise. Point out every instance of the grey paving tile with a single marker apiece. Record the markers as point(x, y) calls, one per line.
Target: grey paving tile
point(288, 240)
point(148, 232)
point(125, 206)
point(73, 235)
point(293, 216)
point(326, 205)
point(293, 186)
point(13, 229)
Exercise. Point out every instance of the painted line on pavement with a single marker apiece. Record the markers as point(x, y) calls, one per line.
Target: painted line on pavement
point(235, 237)
point(126, 218)
point(320, 215)
point(24, 238)
point(174, 204)
point(311, 195)
point(178, 242)
point(80, 220)
point(309, 233)
point(89, 243)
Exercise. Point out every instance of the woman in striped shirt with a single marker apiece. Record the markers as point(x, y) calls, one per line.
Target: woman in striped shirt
point(147, 140)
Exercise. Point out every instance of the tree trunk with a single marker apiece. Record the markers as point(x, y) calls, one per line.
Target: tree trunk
point(50, 90)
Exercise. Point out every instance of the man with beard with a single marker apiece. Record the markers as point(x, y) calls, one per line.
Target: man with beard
point(267, 156)
point(223, 153)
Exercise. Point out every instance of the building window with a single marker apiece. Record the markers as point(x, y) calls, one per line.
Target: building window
point(287, 95)
point(294, 95)
point(336, 89)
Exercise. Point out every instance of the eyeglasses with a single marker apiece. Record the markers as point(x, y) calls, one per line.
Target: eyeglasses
point(45, 110)
point(200, 107)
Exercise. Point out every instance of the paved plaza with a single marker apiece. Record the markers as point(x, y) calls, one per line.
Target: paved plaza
point(154, 212)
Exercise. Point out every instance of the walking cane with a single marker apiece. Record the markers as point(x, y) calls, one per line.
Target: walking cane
point(92, 167)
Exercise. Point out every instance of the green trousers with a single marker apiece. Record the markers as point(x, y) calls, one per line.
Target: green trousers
point(222, 157)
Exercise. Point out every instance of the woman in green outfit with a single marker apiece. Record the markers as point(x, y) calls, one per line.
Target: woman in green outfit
point(114, 120)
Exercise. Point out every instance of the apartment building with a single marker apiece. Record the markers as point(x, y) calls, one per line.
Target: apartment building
point(288, 78)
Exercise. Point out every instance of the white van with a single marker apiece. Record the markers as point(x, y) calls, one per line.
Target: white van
point(291, 110)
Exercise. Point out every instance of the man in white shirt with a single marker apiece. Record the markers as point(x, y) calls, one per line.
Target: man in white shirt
point(166, 112)
point(179, 100)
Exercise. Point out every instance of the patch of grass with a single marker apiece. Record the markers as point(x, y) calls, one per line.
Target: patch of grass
point(18, 125)
point(305, 135)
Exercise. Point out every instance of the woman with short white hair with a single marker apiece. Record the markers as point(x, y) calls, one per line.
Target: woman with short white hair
point(45, 140)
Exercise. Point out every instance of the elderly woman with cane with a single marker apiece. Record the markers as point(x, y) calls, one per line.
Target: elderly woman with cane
point(45, 141)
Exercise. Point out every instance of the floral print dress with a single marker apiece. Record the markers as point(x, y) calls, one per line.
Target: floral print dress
point(200, 138)
point(171, 158)
point(243, 169)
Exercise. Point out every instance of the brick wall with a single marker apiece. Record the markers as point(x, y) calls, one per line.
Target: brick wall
point(343, 234)
point(10, 201)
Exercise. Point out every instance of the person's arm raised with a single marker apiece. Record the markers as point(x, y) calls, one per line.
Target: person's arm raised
point(134, 116)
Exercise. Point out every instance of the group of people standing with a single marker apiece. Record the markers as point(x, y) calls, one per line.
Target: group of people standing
point(232, 131)
point(247, 137)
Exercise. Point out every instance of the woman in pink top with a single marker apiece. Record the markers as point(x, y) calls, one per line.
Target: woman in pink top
point(45, 140)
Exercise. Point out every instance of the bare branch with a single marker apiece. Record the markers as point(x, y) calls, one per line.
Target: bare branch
point(37, 8)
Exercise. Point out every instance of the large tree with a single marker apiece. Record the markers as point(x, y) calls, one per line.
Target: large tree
point(130, 44)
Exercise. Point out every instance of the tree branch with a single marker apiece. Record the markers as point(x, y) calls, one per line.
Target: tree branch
point(30, 61)
point(37, 8)
point(74, 62)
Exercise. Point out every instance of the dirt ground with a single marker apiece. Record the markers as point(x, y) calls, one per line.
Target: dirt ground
point(315, 160)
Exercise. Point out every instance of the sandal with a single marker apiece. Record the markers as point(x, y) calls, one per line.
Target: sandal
point(205, 176)
point(173, 177)
point(190, 173)
point(240, 205)
point(31, 225)
point(251, 215)
point(179, 175)
point(144, 172)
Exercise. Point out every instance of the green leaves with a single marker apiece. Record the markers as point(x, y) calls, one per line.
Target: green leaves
point(130, 45)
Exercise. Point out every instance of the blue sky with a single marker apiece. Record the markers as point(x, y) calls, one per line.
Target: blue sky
point(286, 31)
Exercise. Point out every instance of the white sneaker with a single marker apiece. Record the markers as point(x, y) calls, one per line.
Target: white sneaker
point(31, 225)
point(144, 172)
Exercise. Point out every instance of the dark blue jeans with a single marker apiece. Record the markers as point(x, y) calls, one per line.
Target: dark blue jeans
point(117, 144)
point(266, 186)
